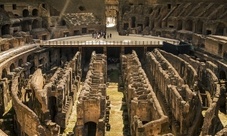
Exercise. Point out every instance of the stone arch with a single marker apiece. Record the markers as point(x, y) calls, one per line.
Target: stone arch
point(222, 75)
point(82, 8)
point(52, 105)
point(12, 67)
point(25, 13)
point(133, 22)
point(150, 11)
point(147, 20)
point(20, 63)
point(220, 29)
point(222, 79)
point(5, 29)
point(63, 22)
point(44, 24)
point(30, 59)
point(25, 26)
point(179, 24)
point(4, 73)
point(188, 25)
point(35, 24)
point(199, 27)
point(35, 12)
point(90, 128)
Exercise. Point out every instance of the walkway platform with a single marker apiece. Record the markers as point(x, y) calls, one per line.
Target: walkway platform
point(133, 40)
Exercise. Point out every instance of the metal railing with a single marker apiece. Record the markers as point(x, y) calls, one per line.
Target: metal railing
point(100, 42)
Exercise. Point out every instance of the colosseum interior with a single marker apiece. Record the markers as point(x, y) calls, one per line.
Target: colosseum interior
point(113, 68)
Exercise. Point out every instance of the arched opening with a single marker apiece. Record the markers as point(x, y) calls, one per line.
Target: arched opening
point(223, 82)
point(35, 12)
point(188, 25)
point(147, 20)
point(25, 13)
point(150, 10)
point(110, 21)
point(179, 25)
point(25, 26)
point(63, 23)
point(4, 73)
point(199, 27)
point(35, 24)
point(30, 59)
point(133, 22)
point(222, 75)
point(20, 63)
point(12, 67)
point(52, 106)
point(220, 29)
point(90, 129)
point(44, 24)
point(5, 29)
point(82, 8)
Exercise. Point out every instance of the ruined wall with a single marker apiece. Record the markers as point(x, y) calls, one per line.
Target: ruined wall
point(145, 114)
point(24, 116)
point(210, 94)
point(178, 96)
point(91, 107)
point(185, 70)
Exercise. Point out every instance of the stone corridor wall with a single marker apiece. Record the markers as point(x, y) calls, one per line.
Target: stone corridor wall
point(145, 113)
point(185, 70)
point(91, 106)
point(209, 94)
point(177, 95)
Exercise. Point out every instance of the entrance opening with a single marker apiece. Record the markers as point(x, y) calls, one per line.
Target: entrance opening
point(110, 22)
point(90, 129)
point(222, 79)
point(52, 107)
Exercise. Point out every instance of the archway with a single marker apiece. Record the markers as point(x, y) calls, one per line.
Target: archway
point(147, 20)
point(133, 22)
point(25, 13)
point(188, 25)
point(4, 73)
point(25, 26)
point(35, 12)
point(20, 62)
point(44, 24)
point(199, 27)
point(179, 24)
point(90, 129)
point(12, 67)
point(223, 83)
point(52, 106)
point(5, 29)
point(30, 59)
point(35, 24)
point(220, 29)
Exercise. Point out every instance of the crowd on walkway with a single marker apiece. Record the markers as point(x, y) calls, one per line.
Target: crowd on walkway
point(98, 35)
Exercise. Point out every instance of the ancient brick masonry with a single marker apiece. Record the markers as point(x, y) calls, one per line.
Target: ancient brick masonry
point(46, 102)
point(145, 113)
point(91, 106)
point(210, 91)
point(176, 98)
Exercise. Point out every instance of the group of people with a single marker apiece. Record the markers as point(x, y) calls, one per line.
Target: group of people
point(98, 35)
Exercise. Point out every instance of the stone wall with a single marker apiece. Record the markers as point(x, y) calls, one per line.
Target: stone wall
point(185, 70)
point(210, 92)
point(25, 116)
point(91, 106)
point(177, 95)
point(145, 113)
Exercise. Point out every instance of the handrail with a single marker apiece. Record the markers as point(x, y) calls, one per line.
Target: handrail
point(101, 42)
